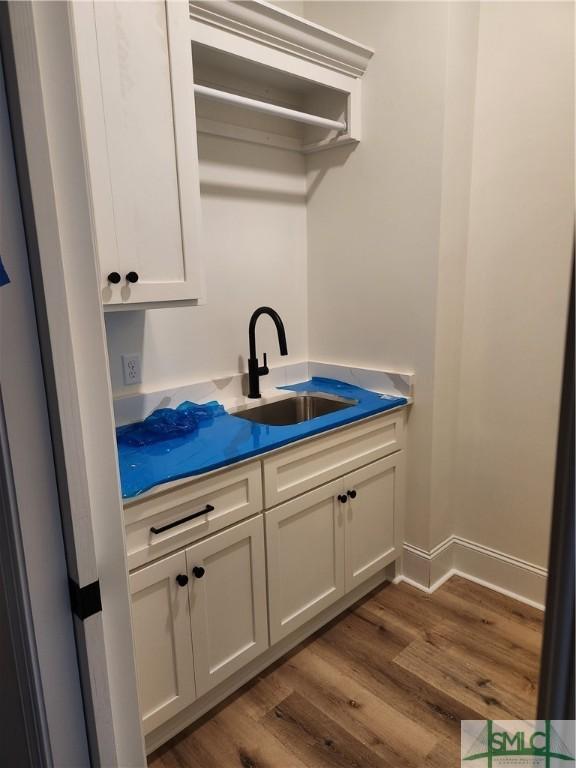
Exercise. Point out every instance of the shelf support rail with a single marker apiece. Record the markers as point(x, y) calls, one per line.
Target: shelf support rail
point(270, 109)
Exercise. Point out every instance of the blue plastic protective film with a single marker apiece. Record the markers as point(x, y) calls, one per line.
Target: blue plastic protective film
point(192, 439)
point(169, 423)
point(4, 279)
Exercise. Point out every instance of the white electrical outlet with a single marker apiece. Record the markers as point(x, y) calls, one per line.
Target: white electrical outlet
point(131, 365)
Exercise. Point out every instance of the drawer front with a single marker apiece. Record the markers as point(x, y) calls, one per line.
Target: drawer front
point(303, 467)
point(188, 512)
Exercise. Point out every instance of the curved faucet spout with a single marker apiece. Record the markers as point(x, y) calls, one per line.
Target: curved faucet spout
point(279, 328)
point(254, 369)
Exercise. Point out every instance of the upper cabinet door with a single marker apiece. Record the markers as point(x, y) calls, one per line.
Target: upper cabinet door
point(135, 74)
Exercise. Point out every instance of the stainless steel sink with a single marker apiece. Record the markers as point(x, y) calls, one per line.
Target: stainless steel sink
point(293, 410)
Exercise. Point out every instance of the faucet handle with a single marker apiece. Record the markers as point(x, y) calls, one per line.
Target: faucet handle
point(264, 369)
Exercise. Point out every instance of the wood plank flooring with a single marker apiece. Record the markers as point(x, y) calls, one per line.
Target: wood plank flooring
point(383, 686)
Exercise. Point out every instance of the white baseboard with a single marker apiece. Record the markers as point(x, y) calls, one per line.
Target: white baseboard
point(496, 570)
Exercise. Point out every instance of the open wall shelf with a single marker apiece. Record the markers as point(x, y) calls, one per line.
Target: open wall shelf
point(265, 76)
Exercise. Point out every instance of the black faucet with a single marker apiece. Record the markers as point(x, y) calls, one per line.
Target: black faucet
point(255, 370)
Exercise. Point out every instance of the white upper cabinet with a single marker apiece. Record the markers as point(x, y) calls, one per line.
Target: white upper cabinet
point(134, 68)
point(152, 74)
point(242, 581)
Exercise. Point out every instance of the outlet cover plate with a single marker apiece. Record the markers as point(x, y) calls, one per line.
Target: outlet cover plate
point(132, 369)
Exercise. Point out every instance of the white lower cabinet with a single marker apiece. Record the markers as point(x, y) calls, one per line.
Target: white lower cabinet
point(162, 639)
point(228, 602)
point(198, 616)
point(328, 541)
point(136, 93)
point(373, 503)
point(202, 613)
point(305, 555)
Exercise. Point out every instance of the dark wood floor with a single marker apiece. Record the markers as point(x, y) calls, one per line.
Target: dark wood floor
point(385, 685)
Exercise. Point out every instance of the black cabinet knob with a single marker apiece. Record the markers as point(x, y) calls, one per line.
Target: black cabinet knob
point(351, 494)
point(182, 579)
point(132, 277)
point(342, 498)
point(198, 571)
point(114, 277)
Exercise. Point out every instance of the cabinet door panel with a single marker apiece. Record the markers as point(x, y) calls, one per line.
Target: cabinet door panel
point(305, 549)
point(372, 518)
point(228, 603)
point(136, 84)
point(161, 624)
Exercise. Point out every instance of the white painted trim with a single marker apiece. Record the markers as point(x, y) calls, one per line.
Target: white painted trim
point(509, 593)
point(455, 572)
point(510, 559)
point(248, 135)
point(401, 578)
point(92, 520)
point(32, 555)
point(509, 575)
point(275, 28)
point(481, 548)
point(443, 579)
point(267, 108)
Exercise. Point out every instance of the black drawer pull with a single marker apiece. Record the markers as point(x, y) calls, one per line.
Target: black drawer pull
point(207, 508)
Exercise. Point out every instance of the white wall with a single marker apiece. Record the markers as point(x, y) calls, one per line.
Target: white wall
point(519, 253)
point(374, 218)
point(457, 262)
point(460, 91)
point(254, 233)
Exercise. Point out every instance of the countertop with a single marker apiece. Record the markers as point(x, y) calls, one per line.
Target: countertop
point(226, 439)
